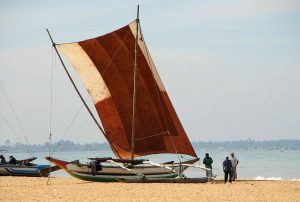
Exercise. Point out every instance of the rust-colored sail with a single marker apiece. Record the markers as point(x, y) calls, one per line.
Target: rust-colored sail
point(106, 66)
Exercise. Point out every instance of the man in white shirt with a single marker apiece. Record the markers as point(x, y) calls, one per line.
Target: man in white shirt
point(234, 162)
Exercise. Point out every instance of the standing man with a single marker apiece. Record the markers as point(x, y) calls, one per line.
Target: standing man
point(12, 160)
point(234, 162)
point(207, 161)
point(227, 168)
point(2, 159)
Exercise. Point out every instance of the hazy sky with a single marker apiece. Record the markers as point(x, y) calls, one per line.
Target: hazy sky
point(231, 68)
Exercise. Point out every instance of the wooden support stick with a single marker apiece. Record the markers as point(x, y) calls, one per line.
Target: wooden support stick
point(160, 165)
point(130, 170)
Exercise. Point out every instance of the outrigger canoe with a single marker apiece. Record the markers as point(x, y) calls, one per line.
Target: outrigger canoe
point(26, 168)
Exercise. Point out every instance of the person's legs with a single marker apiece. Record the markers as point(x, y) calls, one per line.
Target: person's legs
point(209, 173)
point(230, 176)
point(235, 174)
point(225, 177)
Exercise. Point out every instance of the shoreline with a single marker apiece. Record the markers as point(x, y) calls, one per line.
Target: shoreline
point(258, 179)
point(70, 189)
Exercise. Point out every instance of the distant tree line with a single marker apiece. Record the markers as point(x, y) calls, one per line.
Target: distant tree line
point(64, 145)
point(67, 145)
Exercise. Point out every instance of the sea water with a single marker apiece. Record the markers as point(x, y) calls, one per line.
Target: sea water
point(253, 164)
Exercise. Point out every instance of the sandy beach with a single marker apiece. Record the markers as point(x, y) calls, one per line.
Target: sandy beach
point(70, 189)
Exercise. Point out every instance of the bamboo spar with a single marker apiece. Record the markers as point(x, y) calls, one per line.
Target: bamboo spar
point(80, 96)
point(125, 168)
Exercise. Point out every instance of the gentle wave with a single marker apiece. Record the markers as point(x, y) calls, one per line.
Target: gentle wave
point(274, 178)
point(268, 178)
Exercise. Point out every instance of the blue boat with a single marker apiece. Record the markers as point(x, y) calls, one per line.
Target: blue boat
point(26, 168)
point(32, 170)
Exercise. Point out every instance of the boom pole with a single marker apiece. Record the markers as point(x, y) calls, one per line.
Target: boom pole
point(80, 96)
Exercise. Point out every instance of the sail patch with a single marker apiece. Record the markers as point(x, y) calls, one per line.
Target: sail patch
point(87, 71)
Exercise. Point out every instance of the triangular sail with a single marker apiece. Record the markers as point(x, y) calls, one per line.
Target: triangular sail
point(105, 65)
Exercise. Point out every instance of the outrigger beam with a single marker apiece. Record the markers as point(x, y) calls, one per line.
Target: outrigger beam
point(130, 170)
point(160, 165)
point(195, 166)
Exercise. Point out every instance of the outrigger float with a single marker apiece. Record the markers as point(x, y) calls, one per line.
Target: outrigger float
point(137, 115)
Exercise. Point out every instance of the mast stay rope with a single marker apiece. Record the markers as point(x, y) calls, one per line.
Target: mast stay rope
point(53, 63)
point(158, 97)
point(29, 151)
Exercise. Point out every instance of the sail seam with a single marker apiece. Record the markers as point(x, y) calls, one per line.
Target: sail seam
point(113, 57)
point(80, 96)
point(152, 135)
point(156, 87)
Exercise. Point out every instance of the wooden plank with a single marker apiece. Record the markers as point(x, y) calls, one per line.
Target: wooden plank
point(160, 165)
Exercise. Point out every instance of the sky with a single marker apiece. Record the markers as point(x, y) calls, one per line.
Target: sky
point(231, 68)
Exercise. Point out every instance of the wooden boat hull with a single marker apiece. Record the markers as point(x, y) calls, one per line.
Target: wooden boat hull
point(113, 173)
point(114, 177)
point(166, 180)
point(32, 170)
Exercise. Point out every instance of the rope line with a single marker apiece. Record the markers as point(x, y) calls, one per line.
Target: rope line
point(113, 57)
point(10, 127)
point(158, 95)
point(17, 120)
point(53, 63)
point(67, 129)
point(77, 113)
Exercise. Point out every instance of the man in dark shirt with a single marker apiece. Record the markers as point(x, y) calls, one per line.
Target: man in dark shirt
point(227, 168)
point(2, 159)
point(207, 161)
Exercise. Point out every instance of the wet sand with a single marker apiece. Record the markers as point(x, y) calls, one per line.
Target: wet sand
point(71, 189)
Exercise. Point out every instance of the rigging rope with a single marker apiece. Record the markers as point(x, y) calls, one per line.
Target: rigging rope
point(79, 94)
point(77, 113)
point(113, 57)
point(17, 120)
point(157, 92)
point(50, 137)
point(10, 127)
point(67, 129)
point(51, 92)
point(53, 63)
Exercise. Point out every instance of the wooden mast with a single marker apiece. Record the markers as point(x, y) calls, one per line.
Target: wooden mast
point(135, 85)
